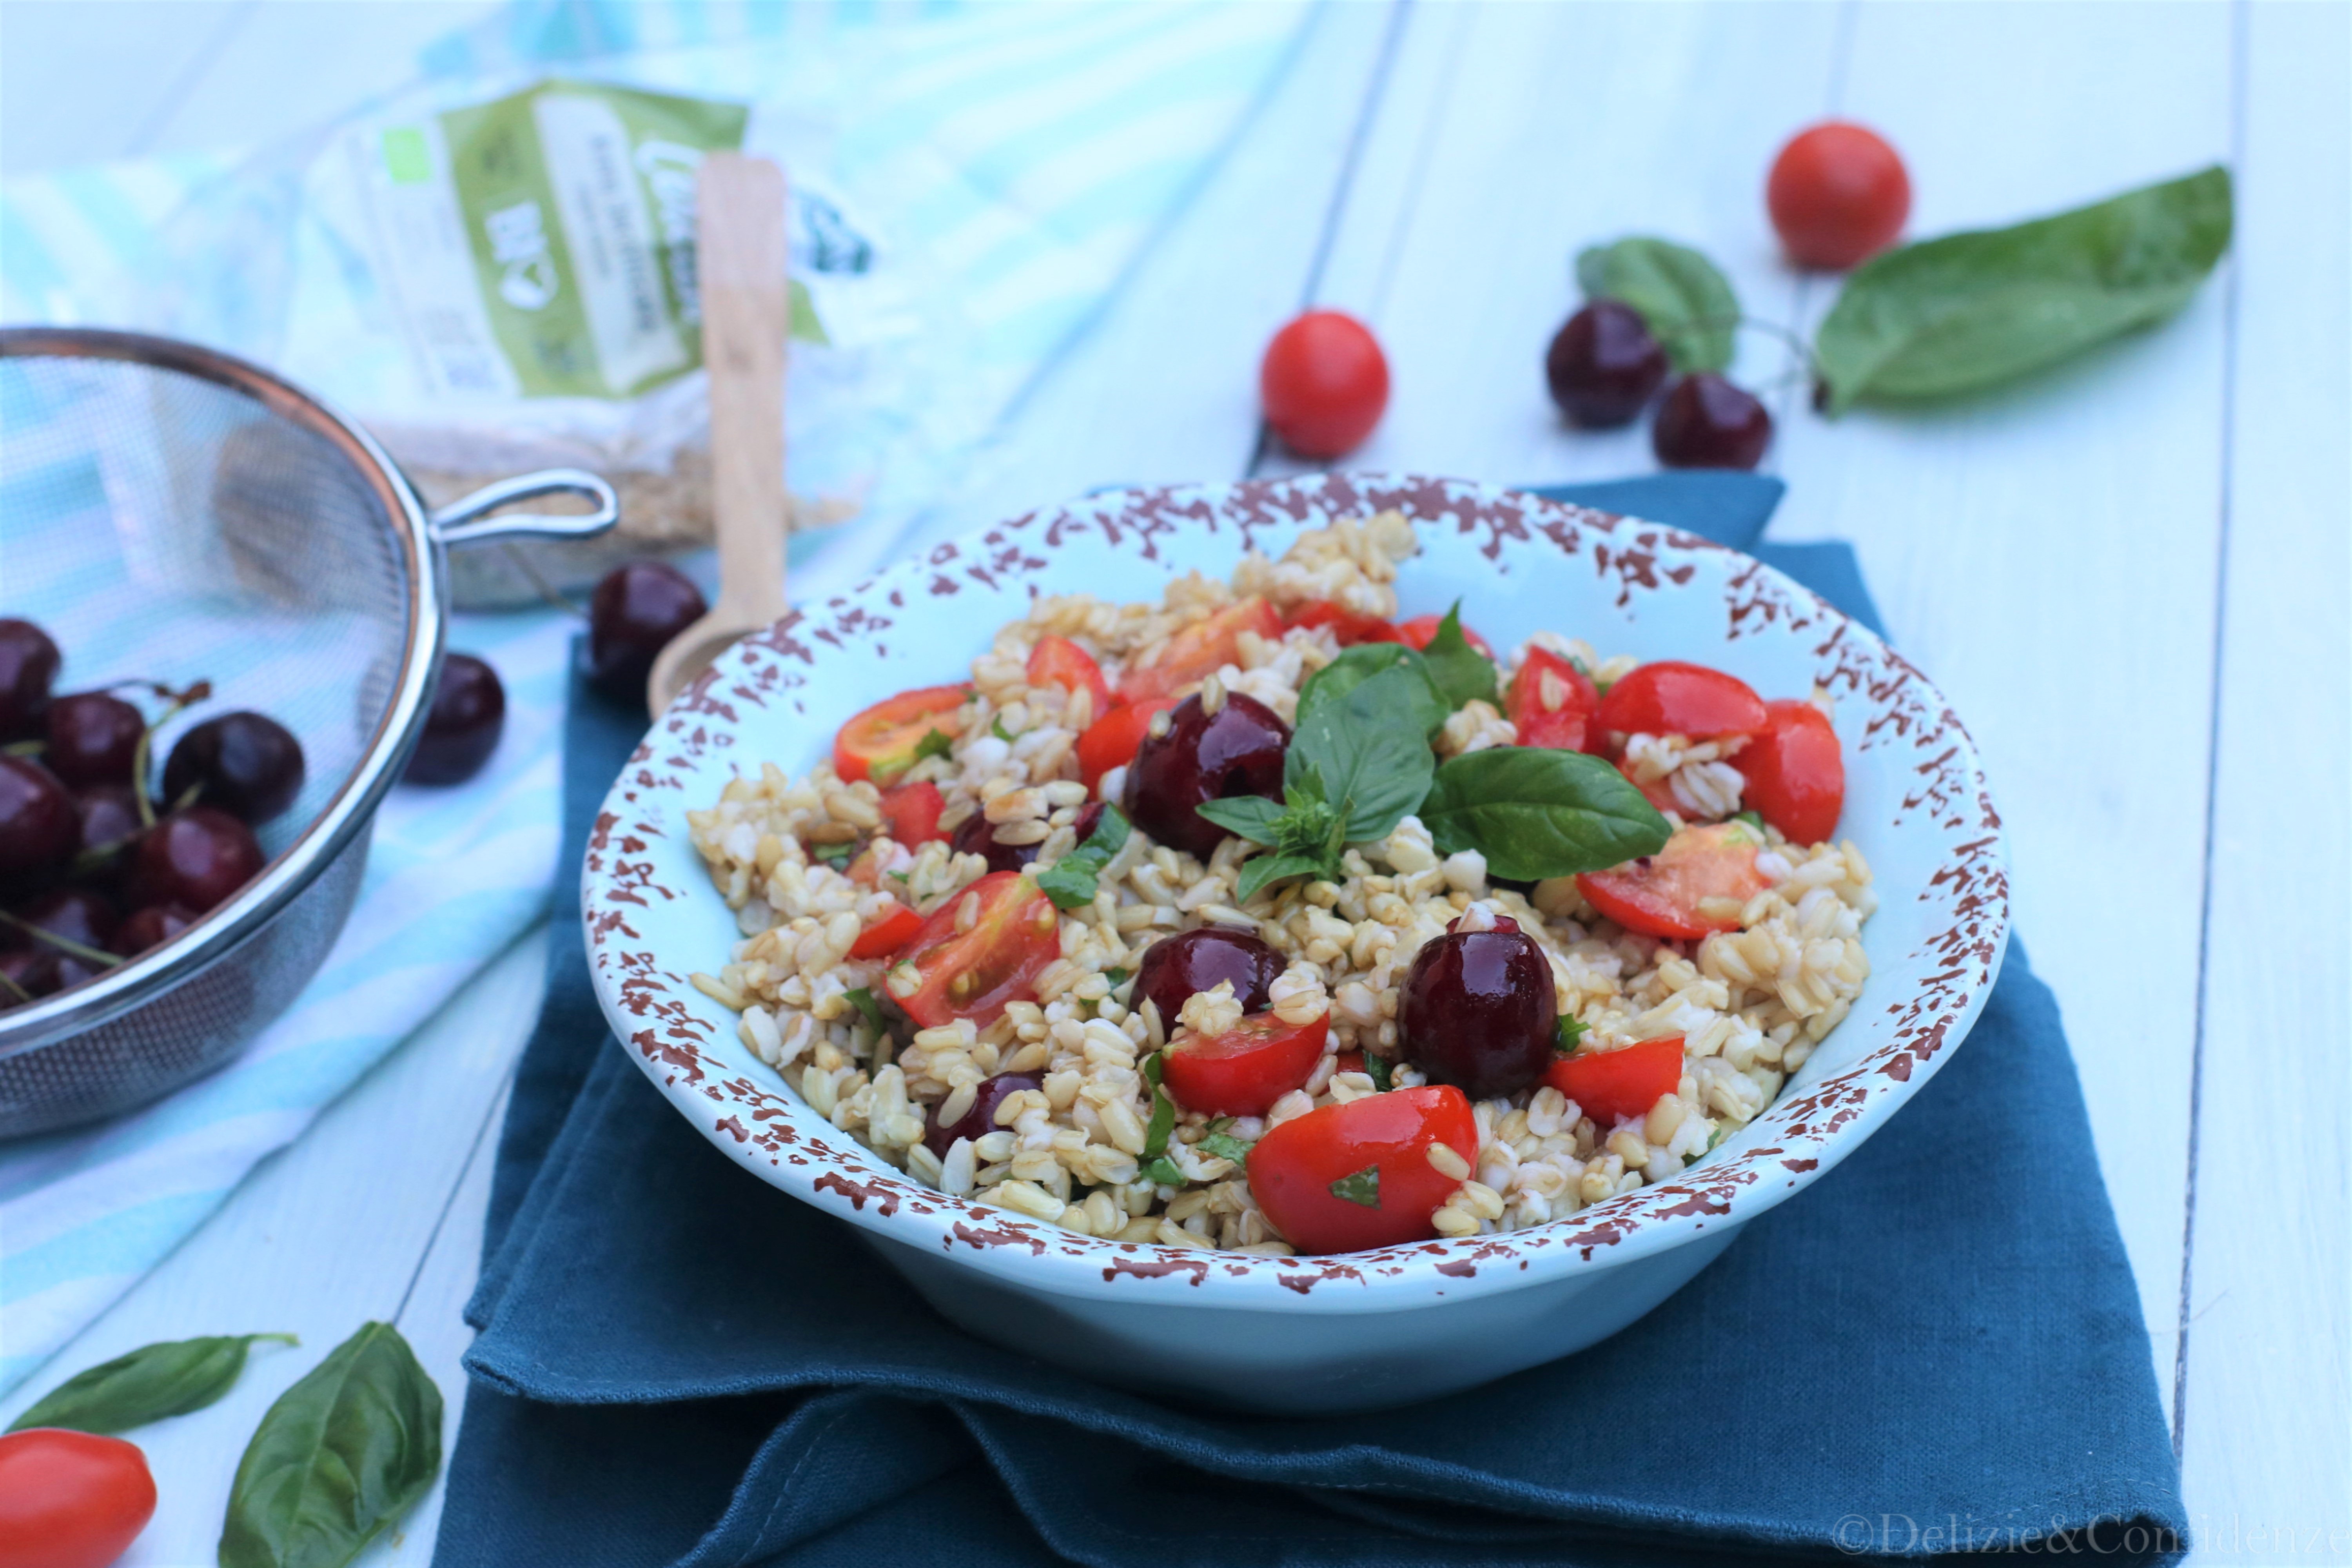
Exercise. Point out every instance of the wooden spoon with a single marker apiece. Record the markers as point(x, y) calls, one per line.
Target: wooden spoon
point(741, 258)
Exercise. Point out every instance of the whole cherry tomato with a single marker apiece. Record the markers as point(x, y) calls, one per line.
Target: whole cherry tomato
point(1608, 1086)
point(911, 812)
point(1552, 703)
point(1419, 631)
point(1325, 384)
point(1201, 649)
point(880, 743)
point(1058, 661)
point(945, 974)
point(1347, 628)
point(1354, 1175)
point(1838, 193)
point(70, 1499)
point(1696, 884)
point(1112, 740)
point(1795, 774)
point(1246, 1070)
point(1671, 697)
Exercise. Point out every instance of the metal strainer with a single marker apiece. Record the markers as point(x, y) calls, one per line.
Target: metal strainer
point(168, 512)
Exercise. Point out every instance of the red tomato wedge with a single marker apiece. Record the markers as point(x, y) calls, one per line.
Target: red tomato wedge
point(910, 814)
point(887, 933)
point(1347, 628)
point(1609, 1085)
point(1795, 774)
point(880, 743)
point(1357, 1175)
point(1661, 894)
point(1671, 697)
point(1419, 632)
point(1201, 649)
point(1246, 1070)
point(944, 974)
point(1112, 740)
point(1058, 661)
point(1552, 703)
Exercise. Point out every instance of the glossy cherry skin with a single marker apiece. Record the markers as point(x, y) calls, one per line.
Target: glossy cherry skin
point(77, 914)
point(1603, 366)
point(981, 1118)
point(463, 726)
point(151, 927)
point(1175, 967)
point(1202, 757)
point(28, 666)
point(976, 836)
point(109, 815)
point(1707, 423)
point(247, 763)
point(39, 828)
point(1478, 1011)
point(196, 858)
point(93, 738)
point(635, 611)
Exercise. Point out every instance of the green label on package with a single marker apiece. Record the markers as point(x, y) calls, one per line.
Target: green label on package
point(543, 246)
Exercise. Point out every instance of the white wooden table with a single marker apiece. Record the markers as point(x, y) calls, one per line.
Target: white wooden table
point(2131, 576)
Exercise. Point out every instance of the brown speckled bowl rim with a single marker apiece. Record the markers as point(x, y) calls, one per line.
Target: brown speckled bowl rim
point(666, 1025)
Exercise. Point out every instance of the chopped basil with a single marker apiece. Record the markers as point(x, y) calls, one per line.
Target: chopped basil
point(1225, 1147)
point(996, 728)
point(1534, 812)
point(1568, 1036)
point(890, 770)
point(1377, 1068)
point(1461, 671)
point(1363, 1188)
point(836, 855)
point(1753, 819)
point(1118, 977)
point(1070, 881)
point(1163, 1110)
point(863, 1000)
point(1163, 1171)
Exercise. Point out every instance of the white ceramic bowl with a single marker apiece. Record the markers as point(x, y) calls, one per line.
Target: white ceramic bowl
point(1362, 1329)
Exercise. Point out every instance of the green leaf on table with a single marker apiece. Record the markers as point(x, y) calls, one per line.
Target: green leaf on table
point(171, 1378)
point(1362, 1188)
point(1461, 671)
point(1685, 300)
point(1534, 812)
point(340, 1456)
point(1972, 310)
point(1420, 701)
point(806, 325)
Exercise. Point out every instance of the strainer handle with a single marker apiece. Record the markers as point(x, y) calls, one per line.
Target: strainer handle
point(465, 521)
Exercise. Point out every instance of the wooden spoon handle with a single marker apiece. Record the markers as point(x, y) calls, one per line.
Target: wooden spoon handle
point(745, 315)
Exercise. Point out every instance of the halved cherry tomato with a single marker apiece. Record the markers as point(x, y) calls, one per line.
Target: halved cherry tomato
point(1552, 703)
point(944, 974)
point(1609, 1085)
point(70, 1499)
point(1348, 627)
point(1671, 697)
point(1347, 1061)
point(887, 933)
point(1659, 792)
point(1112, 740)
point(1662, 894)
point(1246, 1070)
point(880, 742)
point(1201, 649)
point(1796, 776)
point(1419, 631)
point(1058, 661)
point(911, 812)
point(1357, 1175)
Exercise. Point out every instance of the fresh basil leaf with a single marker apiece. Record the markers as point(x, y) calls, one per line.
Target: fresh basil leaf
point(1249, 817)
point(834, 854)
point(1110, 836)
point(996, 728)
point(1163, 1110)
point(1118, 977)
point(1362, 1188)
point(863, 1000)
point(147, 1384)
point(1568, 1034)
point(1226, 1147)
point(1688, 303)
point(1534, 812)
point(1461, 673)
point(1260, 870)
point(1421, 699)
point(1377, 1069)
point(1163, 1171)
point(1366, 751)
point(1069, 882)
point(1972, 310)
point(1752, 819)
point(341, 1454)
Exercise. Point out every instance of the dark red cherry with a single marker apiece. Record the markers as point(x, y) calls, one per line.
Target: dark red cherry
point(77, 914)
point(243, 763)
point(1202, 757)
point(93, 738)
point(632, 616)
point(39, 829)
point(1174, 967)
point(462, 728)
point(28, 667)
point(1707, 423)
point(151, 927)
point(976, 836)
point(31, 974)
point(196, 858)
point(1603, 366)
point(981, 1118)
point(109, 816)
point(1478, 1011)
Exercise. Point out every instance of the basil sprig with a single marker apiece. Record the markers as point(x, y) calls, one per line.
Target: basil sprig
point(1534, 812)
point(149, 1384)
point(1070, 881)
point(341, 1454)
point(1686, 303)
point(1462, 672)
point(1421, 705)
point(1970, 310)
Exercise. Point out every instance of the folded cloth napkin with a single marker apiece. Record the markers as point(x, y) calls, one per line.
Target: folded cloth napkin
point(1931, 1351)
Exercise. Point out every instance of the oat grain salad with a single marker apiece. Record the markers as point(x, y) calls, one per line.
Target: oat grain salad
point(1257, 919)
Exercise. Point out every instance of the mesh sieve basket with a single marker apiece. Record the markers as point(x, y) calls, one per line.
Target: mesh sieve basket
point(170, 513)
